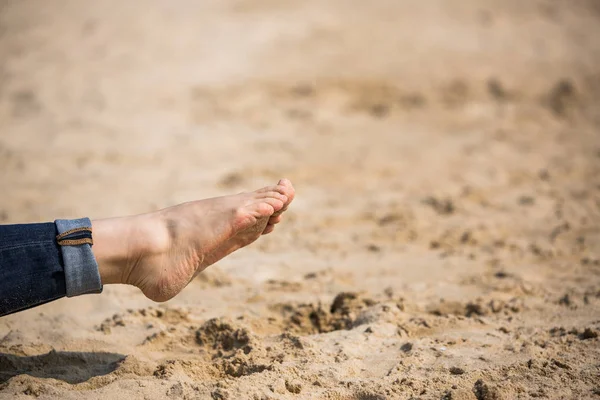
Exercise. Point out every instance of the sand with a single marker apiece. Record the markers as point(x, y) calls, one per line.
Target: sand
point(445, 239)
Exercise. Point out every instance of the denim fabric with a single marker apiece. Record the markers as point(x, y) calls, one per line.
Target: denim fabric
point(81, 269)
point(35, 269)
point(31, 266)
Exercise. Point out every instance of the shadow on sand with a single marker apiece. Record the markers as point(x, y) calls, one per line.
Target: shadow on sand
point(70, 367)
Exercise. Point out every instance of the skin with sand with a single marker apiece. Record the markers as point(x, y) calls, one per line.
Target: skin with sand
point(164, 250)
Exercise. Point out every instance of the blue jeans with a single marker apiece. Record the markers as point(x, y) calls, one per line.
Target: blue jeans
point(44, 262)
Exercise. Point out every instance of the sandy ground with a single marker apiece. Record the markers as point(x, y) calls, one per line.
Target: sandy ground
point(445, 240)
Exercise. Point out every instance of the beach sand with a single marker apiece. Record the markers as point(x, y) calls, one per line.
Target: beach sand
point(445, 238)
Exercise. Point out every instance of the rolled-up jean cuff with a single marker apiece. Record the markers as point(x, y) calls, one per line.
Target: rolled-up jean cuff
point(81, 269)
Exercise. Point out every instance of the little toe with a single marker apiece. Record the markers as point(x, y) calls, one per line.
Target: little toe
point(282, 210)
point(268, 229)
point(275, 219)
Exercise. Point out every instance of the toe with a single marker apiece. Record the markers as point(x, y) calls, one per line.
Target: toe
point(268, 229)
point(284, 187)
point(272, 188)
point(276, 195)
point(268, 206)
point(275, 219)
point(288, 189)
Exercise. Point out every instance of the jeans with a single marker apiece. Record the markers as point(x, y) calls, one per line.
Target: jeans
point(44, 262)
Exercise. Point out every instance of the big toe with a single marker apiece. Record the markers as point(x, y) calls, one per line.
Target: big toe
point(286, 188)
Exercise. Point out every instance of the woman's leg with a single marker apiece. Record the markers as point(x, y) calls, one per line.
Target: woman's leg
point(159, 252)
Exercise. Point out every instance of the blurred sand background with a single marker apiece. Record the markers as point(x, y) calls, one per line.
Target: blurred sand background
point(445, 239)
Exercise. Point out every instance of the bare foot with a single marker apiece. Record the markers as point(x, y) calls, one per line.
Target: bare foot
point(166, 249)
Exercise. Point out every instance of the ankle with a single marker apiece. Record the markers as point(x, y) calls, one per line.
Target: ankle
point(122, 243)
